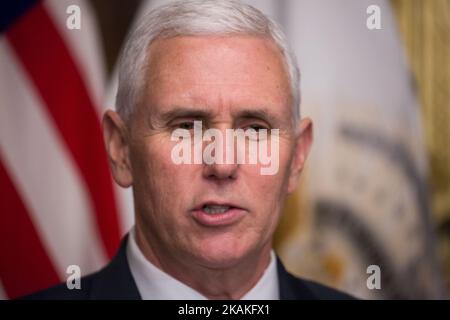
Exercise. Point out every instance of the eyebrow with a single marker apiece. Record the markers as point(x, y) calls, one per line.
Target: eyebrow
point(200, 113)
point(262, 114)
point(186, 112)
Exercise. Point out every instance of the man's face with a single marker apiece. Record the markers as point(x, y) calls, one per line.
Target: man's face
point(227, 83)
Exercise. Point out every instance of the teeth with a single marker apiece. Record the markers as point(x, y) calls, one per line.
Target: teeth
point(215, 209)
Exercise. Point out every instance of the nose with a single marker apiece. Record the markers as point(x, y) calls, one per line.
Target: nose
point(227, 167)
point(220, 172)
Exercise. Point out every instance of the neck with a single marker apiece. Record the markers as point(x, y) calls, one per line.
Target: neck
point(214, 283)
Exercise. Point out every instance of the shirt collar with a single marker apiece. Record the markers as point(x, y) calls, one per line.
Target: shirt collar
point(155, 284)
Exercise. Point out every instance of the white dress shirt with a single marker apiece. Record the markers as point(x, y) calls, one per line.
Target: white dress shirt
point(155, 284)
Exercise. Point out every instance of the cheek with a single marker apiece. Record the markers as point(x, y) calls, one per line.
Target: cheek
point(161, 191)
point(273, 176)
point(152, 172)
point(170, 183)
point(154, 156)
point(271, 190)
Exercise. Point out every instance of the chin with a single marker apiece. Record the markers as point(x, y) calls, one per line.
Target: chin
point(226, 254)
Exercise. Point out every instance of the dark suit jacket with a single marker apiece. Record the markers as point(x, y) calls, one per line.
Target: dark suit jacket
point(115, 281)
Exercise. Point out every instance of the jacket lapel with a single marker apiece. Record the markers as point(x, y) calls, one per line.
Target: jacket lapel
point(115, 281)
point(292, 288)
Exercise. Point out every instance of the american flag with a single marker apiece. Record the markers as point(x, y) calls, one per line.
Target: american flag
point(58, 203)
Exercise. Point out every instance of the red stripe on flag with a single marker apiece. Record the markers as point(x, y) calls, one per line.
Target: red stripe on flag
point(42, 51)
point(25, 266)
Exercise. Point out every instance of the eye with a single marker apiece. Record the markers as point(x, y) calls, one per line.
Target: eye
point(256, 127)
point(188, 125)
point(257, 131)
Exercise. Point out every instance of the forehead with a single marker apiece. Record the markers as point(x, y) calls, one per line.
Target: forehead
point(216, 71)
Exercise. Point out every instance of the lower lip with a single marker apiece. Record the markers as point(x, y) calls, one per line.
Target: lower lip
point(219, 219)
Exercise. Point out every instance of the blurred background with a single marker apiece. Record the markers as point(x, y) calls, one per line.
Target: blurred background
point(376, 188)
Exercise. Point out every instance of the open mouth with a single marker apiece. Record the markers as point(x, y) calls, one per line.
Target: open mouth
point(216, 214)
point(216, 209)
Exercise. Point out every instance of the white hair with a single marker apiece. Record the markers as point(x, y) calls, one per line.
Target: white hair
point(196, 18)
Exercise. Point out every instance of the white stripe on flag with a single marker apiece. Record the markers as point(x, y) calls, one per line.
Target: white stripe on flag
point(45, 176)
point(85, 46)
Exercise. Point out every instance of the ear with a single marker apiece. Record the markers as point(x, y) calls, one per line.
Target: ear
point(115, 136)
point(303, 141)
